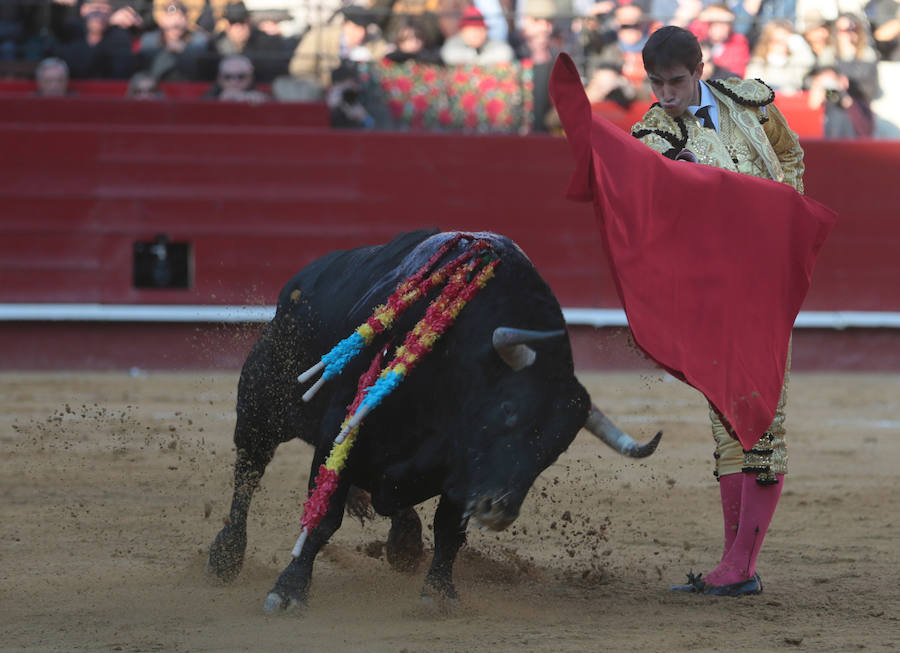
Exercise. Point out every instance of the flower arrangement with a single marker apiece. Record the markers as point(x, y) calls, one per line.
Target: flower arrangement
point(464, 276)
point(482, 98)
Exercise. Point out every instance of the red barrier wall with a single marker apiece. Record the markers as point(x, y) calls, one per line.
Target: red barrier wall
point(74, 199)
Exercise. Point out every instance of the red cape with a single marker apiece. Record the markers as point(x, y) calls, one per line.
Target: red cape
point(711, 266)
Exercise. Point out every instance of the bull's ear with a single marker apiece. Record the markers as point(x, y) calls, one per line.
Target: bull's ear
point(510, 345)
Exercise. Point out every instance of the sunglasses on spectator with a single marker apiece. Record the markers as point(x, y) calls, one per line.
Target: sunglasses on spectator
point(233, 77)
point(631, 26)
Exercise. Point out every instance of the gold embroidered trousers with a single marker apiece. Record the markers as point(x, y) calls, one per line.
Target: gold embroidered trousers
point(768, 456)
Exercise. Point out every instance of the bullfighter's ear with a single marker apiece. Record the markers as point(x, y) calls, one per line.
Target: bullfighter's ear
point(509, 344)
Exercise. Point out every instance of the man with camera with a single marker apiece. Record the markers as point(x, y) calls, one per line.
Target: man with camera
point(847, 114)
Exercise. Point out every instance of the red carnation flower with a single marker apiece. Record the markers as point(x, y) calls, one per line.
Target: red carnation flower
point(468, 101)
point(494, 108)
point(404, 84)
point(487, 84)
point(420, 103)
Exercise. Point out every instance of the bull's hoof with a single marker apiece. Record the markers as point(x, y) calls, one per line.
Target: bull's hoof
point(443, 602)
point(277, 604)
point(226, 555)
point(438, 590)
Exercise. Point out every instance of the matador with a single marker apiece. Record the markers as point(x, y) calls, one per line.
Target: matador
point(731, 124)
point(711, 265)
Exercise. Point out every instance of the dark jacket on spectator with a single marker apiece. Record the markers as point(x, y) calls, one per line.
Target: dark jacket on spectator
point(111, 58)
point(270, 54)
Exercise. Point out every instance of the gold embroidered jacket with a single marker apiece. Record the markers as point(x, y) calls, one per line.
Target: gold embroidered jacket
point(753, 138)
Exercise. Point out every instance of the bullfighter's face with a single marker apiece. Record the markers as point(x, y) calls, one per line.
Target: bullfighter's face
point(676, 87)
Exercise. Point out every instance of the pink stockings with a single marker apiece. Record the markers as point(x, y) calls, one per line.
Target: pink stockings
point(747, 509)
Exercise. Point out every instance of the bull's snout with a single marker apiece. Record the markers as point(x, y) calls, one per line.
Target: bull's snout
point(493, 511)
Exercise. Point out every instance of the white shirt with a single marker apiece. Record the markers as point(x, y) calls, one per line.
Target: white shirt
point(707, 99)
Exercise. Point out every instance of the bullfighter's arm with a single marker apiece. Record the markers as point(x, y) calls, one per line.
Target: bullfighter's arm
point(786, 146)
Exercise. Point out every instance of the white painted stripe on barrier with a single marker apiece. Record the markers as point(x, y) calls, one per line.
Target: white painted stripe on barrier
point(133, 313)
point(595, 317)
point(805, 320)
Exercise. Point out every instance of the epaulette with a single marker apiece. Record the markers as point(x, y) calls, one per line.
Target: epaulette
point(656, 122)
point(748, 92)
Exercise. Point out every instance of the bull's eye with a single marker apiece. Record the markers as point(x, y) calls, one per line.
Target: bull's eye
point(510, 414)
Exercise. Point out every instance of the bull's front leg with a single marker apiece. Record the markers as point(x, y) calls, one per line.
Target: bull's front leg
point(449, 536)
point(292, 587)
point(226, 553)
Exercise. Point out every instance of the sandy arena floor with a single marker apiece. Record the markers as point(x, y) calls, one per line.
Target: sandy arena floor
point(113, 486)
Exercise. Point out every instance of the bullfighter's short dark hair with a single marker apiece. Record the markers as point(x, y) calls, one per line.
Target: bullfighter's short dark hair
point(670, 46)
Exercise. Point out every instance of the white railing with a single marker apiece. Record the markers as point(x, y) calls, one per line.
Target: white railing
point(593, 317)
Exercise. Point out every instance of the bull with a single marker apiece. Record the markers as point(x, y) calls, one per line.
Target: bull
point(494, 404)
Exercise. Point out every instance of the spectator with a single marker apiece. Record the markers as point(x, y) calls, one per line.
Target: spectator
point(52, 77)
point(596, 32)
point(710, 69)
point(472, 45)
point(633, 30)
point(288, 19)
point(820, 37)
point(450, 17)
point(781, 58)
point(22, 30)
point(409, 44)
point(884, 16)
point(621, 47)
point(172, 51)
point(608, 84)
point(235, 81)
point(730, 49)
point(676, 12)
point(751, 16)
point(202, 15)
point(534, 36)
point(535, 44)
point(295, 18)
point(847, 113)
point(343, 100)
point(143, 86)
point(269, 53)
point(346, 38)
point(424, 14)
point(102, 48)
point(856, 58)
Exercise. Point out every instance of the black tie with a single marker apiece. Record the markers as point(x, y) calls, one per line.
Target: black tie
point(703, 114)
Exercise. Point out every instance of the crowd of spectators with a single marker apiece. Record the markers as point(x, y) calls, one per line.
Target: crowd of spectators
point(831, 49)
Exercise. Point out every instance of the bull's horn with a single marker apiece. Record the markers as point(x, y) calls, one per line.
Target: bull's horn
point(600, 425)
point(510, 345)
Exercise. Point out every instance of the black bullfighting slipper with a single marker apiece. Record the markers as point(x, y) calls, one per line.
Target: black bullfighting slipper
point(694, 584)
point(751, 586)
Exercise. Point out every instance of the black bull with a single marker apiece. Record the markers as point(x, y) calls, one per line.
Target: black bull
point(476, 422)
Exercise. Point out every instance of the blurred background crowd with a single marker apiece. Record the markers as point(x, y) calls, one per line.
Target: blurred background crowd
point(843, 55)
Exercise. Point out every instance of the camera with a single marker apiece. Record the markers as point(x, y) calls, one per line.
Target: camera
point(833, 96)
